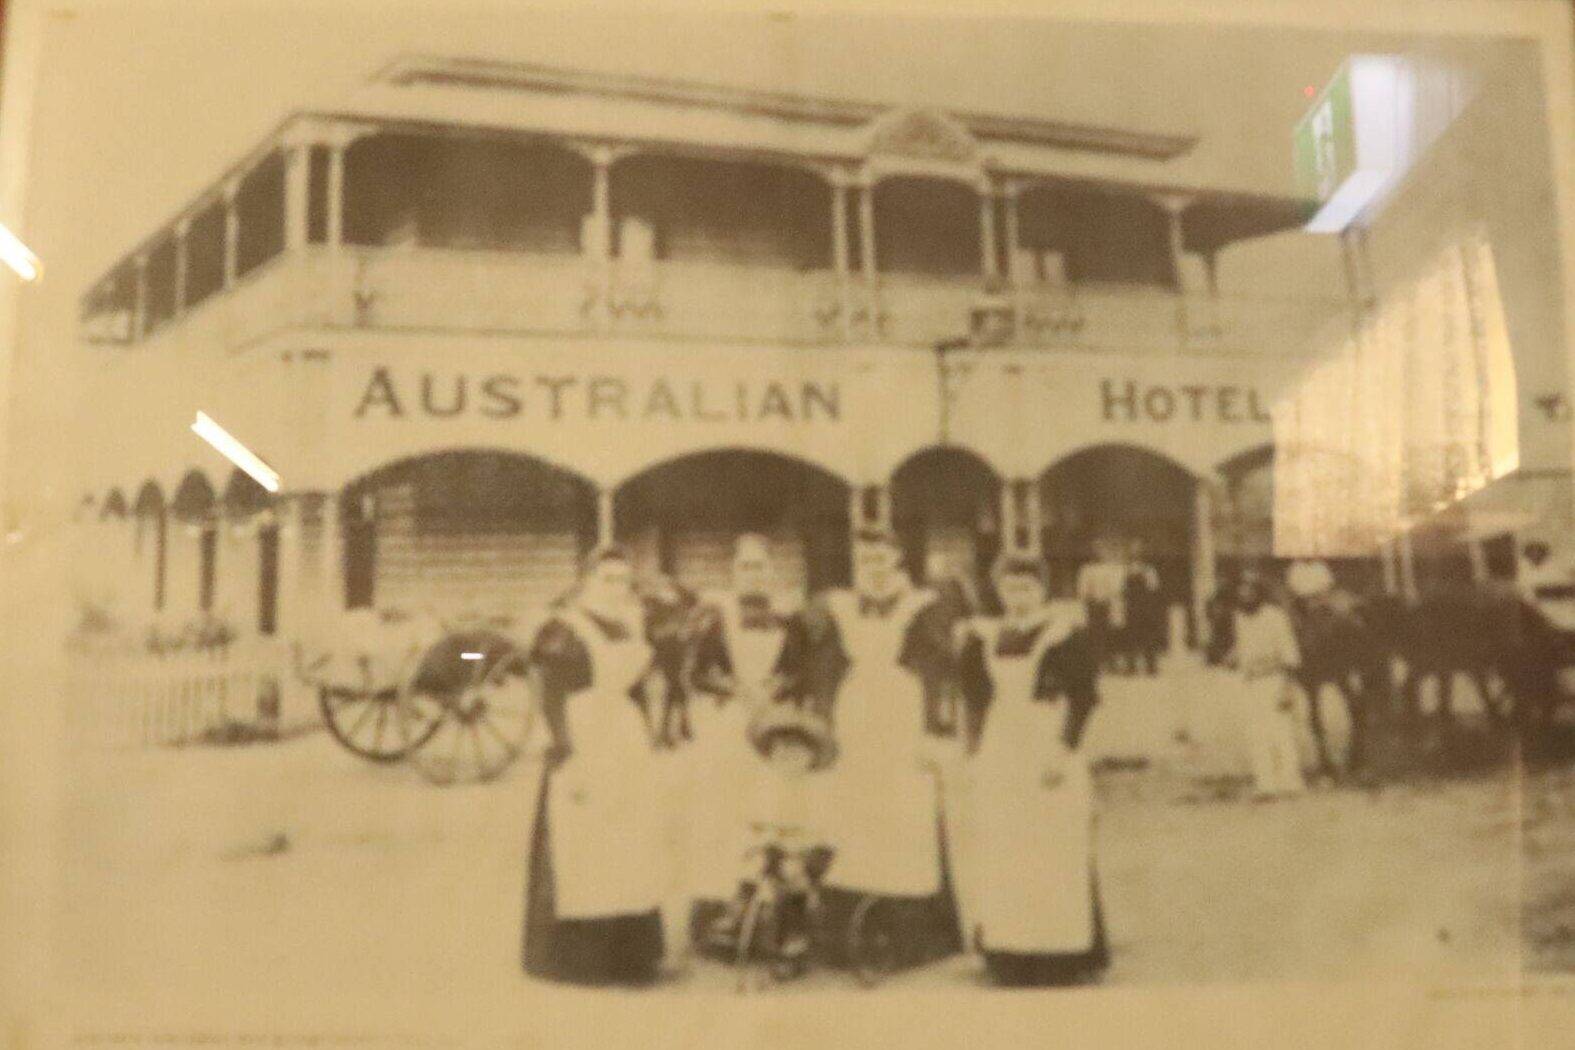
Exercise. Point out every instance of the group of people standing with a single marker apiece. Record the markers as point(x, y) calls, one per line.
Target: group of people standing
point(1127, 619)
point(977, 832)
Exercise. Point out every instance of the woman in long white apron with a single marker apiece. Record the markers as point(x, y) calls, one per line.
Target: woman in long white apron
point(887, 793)
point(595, 882)
point(1029, 858)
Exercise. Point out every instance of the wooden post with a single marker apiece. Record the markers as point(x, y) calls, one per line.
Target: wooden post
point(601, 231)
point(1205, 569)
point(1033, 504)
point(232, 232)
point(1478, 556)
point(1408, 586)
point(839, 248)
point(139, 306)
point(336, 194)
point(182, 262)
point(331, 597)
point(1175, 206)
point(1014, 277)
point(881, 495)
point(988, 248)
point(1387, 564)
point(867, 256)
point(1010, 519)
point(604, 517)
point(297, 171)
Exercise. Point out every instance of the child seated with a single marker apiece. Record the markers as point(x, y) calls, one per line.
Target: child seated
point(783, 855)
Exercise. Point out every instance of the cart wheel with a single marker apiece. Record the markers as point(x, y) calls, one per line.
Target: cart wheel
point(372, 723)
point(481, 709)
point(872, 942)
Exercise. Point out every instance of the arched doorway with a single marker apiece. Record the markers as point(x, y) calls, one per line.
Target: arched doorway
point(114, 506)
point(1126, 494)
point(149, 548)
point(945, 508)
point(194, 550)
point(250, 547)
point(1244, 515)
point(464, 530)
point(682, 517)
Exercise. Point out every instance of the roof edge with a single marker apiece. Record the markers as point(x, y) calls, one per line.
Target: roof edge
point(495, 73)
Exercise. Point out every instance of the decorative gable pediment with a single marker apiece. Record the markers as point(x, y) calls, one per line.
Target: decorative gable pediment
point(924, 135)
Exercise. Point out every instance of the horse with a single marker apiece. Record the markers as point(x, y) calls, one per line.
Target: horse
point(1499, 640)
point(1342, 645)
point(1458, 628)
point(1486, 632)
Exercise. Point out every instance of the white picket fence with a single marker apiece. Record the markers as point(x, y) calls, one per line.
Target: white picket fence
point(126, 699)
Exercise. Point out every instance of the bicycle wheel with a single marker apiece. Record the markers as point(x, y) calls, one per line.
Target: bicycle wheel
point(872, 941)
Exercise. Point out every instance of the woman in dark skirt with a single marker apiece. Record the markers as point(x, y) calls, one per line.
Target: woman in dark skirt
point(1030, 880)
point(592, 912)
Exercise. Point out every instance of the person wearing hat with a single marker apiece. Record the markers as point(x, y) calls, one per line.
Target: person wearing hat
point(1144, 605)
point(1101, 585)
point(596, 865)
point(1265, 658)
point(737, 637)
point(1028, 884)
point(1546, 585)
point(781, 835)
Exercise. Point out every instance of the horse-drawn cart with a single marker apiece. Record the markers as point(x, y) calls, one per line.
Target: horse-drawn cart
point(440, 695)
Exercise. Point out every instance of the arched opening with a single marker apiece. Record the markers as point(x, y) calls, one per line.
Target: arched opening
point(1130, 496)
point(243, 497)
point(464, 531)
point(251, 539)
point(150, 540)
point(194, 561)
point(503, 194)
point(682, 517)
point(927, 227)
point(945, 508)
point(114, 505)
point(1244, 515)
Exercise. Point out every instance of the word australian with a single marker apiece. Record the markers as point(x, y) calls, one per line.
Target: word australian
point(597, 397)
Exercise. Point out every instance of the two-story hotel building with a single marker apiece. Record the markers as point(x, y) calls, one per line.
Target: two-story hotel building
point(489, 314)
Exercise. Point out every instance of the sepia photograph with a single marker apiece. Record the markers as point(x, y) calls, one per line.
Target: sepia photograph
point(582, 512)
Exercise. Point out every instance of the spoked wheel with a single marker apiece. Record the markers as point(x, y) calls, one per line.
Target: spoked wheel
point(481, 709)
point(749, 929)
point(872, 941)
point(372, 723)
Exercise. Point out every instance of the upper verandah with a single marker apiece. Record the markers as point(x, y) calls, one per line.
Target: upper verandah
point(297, 187)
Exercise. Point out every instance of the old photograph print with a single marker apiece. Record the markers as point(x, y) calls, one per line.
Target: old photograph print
point(770, 507)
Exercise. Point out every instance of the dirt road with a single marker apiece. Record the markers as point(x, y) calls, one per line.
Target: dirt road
point(295, 863)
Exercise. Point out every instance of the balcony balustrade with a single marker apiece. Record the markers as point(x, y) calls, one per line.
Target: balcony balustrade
point(486, 291)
